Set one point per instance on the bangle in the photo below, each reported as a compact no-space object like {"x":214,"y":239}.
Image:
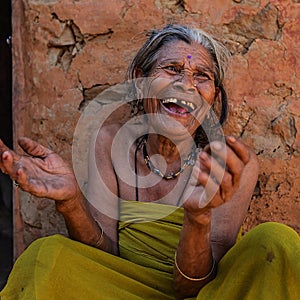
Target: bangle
{"x":190,"y":278}
{"x":100,"y":239}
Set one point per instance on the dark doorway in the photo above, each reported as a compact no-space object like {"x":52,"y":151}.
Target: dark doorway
{"x":6,"y":231}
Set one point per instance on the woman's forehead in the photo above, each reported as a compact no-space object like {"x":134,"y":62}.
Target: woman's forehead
{"x":180,"y":50}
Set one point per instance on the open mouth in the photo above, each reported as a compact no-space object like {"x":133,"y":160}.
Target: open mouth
{"x":178,"y":106}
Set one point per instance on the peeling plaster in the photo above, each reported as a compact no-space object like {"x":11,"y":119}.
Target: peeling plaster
{"x":245,"y":28}
{"x":284,"y":126}
{"x":63,"y":49}
{"x":90,"y":93}
{"x":173,"y":5}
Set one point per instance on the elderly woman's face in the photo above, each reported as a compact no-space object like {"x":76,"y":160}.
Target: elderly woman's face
{"x":181,"y":87}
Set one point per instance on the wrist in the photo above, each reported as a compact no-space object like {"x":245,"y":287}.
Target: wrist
{"x":203,"y":218}
{"x":69,"y":205}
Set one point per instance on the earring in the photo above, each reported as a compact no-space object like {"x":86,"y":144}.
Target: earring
{"x":136,"y":106}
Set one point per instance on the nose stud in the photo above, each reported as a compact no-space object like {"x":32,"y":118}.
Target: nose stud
{"x":189,"y":56}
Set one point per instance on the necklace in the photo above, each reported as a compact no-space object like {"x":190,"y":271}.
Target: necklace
{"x":190,"y":161}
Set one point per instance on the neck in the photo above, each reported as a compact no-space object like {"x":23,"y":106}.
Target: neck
{"x":158,"y":144}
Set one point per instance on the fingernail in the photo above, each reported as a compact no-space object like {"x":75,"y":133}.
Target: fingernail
{"x":217,"y":146}
{"x":4,"y":155}
{"x":231,"y":139}
{"x":203,"y":155}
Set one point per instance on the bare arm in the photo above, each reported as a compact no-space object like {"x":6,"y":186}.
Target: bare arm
{"x":43,"y":173}
{"x":102,"y":191}
{"x":228,"y":218}
{"x":205,"y":236}
{"x":82,"y":225}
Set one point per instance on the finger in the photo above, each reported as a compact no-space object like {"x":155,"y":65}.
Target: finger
{"x":213,"y":172}
{"x":33,"y":148}
{"x":235,"y":166}
{"x":204,"y":200}
{"x":239,"y":148}
{"x":227,"y":188}
{"x":193,"y":181}
{"x":2,"y":160}
{"x":29,"y":185}
{"x":212,"y":167}
{"x":3,"y":149}
{"x":218,"y":150}
{"x":219,"y":194}
{"x":21,"y":179}
{"x":211,"y":188}
{"x":227,"y":156}
{"x":8,"y":163}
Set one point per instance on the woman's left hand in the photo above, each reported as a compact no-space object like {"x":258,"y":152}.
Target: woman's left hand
{"x":216,"y":175}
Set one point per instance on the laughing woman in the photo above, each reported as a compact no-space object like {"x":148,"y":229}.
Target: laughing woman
{"x":163,"y":219}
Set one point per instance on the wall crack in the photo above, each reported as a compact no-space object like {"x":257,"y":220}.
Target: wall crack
{"x":64,"y":48}
{"x":245,"y":28}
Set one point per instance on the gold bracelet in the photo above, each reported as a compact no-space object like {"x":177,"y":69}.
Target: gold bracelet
{"x":190,"y":278}
{"x":100,"y":240}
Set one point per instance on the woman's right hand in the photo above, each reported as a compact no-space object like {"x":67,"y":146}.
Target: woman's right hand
{"x":216,"y":175}
{"x":40,"y":172}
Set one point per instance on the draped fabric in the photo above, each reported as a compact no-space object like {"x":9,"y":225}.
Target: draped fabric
{"x":264,"y":264}
{"x":149,"y":234}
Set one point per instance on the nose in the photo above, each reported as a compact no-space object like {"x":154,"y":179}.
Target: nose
{"x":185,"y":83}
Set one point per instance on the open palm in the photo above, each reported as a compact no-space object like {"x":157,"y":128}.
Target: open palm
{"x":40,"y":171}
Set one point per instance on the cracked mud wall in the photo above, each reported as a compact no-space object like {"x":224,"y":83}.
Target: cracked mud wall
{"x":66,"y":52}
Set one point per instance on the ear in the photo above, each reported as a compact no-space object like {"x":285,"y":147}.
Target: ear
{"x":216,"y":106}
{"x":217,"y":93}
{"x":138,"y":73}
{"x":220,"y":105}
{"x":217,"y":99}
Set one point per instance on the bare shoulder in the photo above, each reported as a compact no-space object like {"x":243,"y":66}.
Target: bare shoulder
{"x":107,"y":133}
{"x":104,"y":138}
{"x":113,"y":137}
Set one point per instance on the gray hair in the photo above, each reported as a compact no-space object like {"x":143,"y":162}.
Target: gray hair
{"x":146,"y":57}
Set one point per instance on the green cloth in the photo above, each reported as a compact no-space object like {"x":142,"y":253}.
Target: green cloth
{"x":147,"y":240}
{"x":264,"y":264}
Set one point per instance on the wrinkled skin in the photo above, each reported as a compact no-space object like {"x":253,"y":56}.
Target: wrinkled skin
{"x":218,"y":189}
{"x":41,"y":172}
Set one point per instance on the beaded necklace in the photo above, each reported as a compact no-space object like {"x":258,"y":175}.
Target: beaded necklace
{"x":189,"y":161}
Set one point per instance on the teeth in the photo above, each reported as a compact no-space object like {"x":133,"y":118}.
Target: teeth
{"x":190,"y":105}
{"x":169,"y":100}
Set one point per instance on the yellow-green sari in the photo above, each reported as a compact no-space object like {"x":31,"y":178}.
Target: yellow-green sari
{"x":264,"y":264}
